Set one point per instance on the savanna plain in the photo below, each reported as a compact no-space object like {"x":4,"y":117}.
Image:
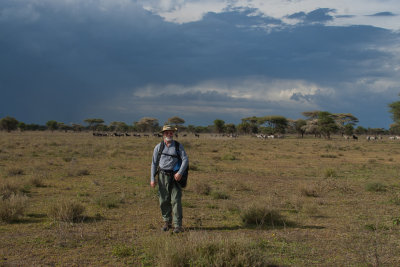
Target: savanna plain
{"x":73,"y":199}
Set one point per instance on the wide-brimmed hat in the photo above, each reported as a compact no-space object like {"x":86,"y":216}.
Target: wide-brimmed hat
{"x":168,"y":128}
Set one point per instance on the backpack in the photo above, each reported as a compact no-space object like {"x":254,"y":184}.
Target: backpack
{"x":183,"y":181}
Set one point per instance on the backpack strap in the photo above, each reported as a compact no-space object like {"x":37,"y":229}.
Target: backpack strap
{"x":177,"y":149}
{"x":160,"y":150}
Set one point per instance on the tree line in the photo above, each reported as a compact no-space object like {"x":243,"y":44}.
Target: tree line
{"x":317,"y":123}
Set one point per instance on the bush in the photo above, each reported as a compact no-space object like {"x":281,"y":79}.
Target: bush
{"x":110,"y":201}
{"x":12,"y":207}
{"x":330,"y":173}
{"x":202,"y":188}
{"x":66,"y":211}
{"x":121,"y":251}
{"x":37,"y":182}
{"x":309,"y":192}
{"x":228,"y":157}
{"x":262,"y":217}
{"x":201,"y":249}
{"x":375,"y":187}
{"x":219,"y":195}
{"x":78,"y":172}
{"x":8,"y":188}
{"x":15,"y":172}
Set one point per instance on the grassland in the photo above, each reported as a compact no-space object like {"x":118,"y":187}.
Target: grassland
{"x":81,"y":200}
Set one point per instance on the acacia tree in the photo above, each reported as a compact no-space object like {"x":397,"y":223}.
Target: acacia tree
{"x":395,"y":110}
{"x":21,"y":126}
{"x":230,"y":128}
{"x":119,"y":126}
{"x":326,"y":124}
{"x":299,"y":127}
{"x":244,"y":127}
{"x":93,"y":123}
{"x":77,"y":127}
{"x":8,"y":123}
{"x":343,"y":120}
{"x":52,"y":125}
{"x":251,"y":123}
{"x":311,"y":127}
{"x":219,"y":125}
{"x":311,"y":114}
{"x":278,"y":124}
{"x":175,"y":120}
{"x":146,"y":124}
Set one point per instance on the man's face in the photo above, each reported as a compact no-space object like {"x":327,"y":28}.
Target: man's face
{"x":168,"y":135}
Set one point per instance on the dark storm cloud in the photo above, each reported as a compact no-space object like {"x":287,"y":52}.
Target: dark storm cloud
{"x":383,"y":14}
{"x":67,"y":64}
{"x":318,"y":15}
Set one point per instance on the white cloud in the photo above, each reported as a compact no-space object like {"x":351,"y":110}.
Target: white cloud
{"x":358,"y":11}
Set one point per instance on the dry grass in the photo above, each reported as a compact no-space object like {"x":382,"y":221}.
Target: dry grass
{"x":249,"y":202}
{"x":66,"y":211}
{"x":12,"y":208}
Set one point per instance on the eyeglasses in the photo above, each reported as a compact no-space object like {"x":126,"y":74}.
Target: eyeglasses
{"x":168,"y":132}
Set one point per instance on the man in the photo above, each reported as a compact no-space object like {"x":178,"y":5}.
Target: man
{"x":170,"y":192}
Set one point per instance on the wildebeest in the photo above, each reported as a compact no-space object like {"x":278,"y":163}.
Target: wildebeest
{"x":197,"y":135}
{"x":99,"y":134}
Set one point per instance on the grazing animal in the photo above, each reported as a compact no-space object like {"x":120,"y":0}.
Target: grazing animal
{"x":100,"y":134}
{"x":355,"y":137}
{"x":197,"y":135}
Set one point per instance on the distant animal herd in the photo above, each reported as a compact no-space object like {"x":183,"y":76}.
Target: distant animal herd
{"x":259,"y":136}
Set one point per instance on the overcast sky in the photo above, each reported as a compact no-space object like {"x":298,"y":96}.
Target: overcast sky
{"x":121,"y":60}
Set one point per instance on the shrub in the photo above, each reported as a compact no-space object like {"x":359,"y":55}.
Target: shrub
{"x":330,"y":173}
{"x":15,"y":172}
{"x":78,"y":172}
{"x":228,"y":157}
{"x":261,"y":216}
{"x":330,"y":156}
{"x":66,"y":211}
{"x":110,"y":201}
{"x":375,"y":187}
{"x":219,"y":195}
{"x":37,"y":182}
{"x":309,"y":192}
{"x":193,"y":167}
{"x":201,"y":249}
{"x":239,"y":186}
{"x":202,"y":188}
{"x":12,"y":208}
{"x":121,"y":251}
{"x":8,"y":188}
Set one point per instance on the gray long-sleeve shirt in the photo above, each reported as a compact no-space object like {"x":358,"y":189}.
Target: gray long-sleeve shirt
{"x":168,"y":162}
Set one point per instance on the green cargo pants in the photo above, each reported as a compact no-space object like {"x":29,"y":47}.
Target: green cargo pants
{"x":170,"y":195}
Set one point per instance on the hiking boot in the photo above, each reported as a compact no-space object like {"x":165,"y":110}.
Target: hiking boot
{"x":178,"y":230}
{"x":166,"y":226}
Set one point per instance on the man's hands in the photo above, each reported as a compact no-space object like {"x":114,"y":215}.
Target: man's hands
{"x":177,"y":176}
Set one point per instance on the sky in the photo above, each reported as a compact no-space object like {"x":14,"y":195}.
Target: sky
{"x":201,"y":60}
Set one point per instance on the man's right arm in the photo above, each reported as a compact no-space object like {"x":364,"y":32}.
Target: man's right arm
{"x":153,"y":166}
